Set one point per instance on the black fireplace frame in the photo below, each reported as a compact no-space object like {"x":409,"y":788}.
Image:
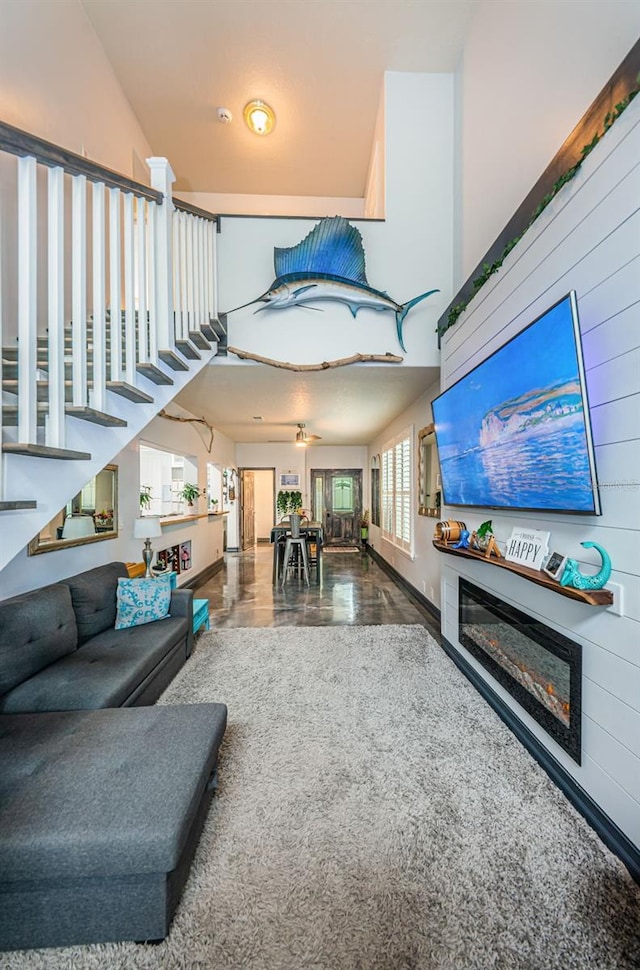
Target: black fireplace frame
{"x":569,"y":738}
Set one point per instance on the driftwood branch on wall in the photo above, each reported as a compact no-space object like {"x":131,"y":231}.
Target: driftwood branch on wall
{"x":325,"y":365}
{"x":175,"y":417}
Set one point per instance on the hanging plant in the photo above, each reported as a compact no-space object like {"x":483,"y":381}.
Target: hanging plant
{"x":288,"y":502}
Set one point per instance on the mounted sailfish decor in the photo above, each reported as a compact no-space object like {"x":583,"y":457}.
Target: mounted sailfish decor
{"x":329,"y":265}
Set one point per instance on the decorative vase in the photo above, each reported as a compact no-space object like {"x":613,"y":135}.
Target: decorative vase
{"x":295,"y":519}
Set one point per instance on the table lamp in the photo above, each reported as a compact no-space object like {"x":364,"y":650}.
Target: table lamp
{"x":147,"y":527}
{"x":78,"y":526}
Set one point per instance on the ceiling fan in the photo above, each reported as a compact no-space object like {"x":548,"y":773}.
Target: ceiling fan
{"x":303,"y":439}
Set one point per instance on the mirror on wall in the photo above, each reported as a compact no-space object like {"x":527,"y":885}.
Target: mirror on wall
{"x":429,"y":488}
{"x":90,"y":516}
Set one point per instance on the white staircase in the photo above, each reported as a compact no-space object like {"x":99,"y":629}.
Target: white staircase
{"x":80,"y":380}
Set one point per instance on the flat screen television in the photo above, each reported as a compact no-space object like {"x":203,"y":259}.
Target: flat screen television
{"x":515,"y":433}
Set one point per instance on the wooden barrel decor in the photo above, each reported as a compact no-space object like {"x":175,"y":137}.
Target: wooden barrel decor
{"x":449,"y":531}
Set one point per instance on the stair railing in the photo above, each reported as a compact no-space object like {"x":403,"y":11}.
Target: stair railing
{"x":134,"y":274}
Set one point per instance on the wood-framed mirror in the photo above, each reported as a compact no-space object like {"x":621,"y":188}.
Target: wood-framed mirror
{"x":429,"y":489}
{"x":90,"y":516}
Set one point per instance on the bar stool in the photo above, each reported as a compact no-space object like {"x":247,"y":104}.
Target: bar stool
{"x":299,"y":543}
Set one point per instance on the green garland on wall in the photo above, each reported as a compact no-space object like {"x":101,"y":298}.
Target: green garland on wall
{"x":488,"y":269}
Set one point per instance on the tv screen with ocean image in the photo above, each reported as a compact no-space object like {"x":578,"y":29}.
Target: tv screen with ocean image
{"x":515,"y":432}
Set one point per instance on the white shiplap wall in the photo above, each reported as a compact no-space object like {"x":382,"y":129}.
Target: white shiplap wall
{"x":588,"y":239}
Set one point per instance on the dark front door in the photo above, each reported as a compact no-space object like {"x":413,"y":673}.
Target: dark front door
{"x":337,"y":503}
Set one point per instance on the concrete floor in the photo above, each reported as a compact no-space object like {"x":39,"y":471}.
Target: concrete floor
{"x":353,"y":590}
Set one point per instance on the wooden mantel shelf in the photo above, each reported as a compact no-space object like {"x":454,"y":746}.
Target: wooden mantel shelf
{"x":594,"y":597}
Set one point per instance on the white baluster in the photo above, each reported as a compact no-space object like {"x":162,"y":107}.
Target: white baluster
{"x":162,"y":178}
{"x":211,"y":228}
{"x":214,"y":272}
{"x":197,"y":274}
{"x":129,"y":292}
{"x":27,"y":300}
{"x":55,"y":436}
{"x":79,"y":289}
{"x":190,"y":280}
{"x":203,"y":273}
{"x":177,"y":276}
{"x":141,"y":280}
{"x":115,"y":289}
{"x":99,"y":298}
{"x":183,"y":274}
{"x":152,"y":287}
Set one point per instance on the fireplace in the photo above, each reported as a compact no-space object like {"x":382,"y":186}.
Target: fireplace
{"x":541,"y":668}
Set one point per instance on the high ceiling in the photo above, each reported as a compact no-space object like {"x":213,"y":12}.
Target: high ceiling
{"x":320,"y":65}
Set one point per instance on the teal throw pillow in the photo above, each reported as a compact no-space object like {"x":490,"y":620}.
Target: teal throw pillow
{"x":142,"y":601}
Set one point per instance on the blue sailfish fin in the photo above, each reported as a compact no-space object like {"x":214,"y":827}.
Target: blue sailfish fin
{"x":333,"y":246}
{"x":404,"y":309}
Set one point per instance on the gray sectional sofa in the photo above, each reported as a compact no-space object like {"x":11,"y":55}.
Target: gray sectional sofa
{"x":103,"y":794}
{"x":59,"y":650}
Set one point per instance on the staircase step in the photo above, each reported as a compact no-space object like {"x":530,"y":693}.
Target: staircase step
{"x":199,"y":340}
{"x":42,"y":388}
{"x":44,"y":451}
{"x":15,"y":506}
{"x":215,"y":329}
{"x":96,"y":417}
{"x":129,"y":391}
{"x":172,"y":360}
{"x":10,"y":415}
{"x":153,"y":373}
{"x":188,"y":350}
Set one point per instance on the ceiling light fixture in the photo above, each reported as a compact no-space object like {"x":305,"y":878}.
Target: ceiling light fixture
{"x":260,"y":118}
{"x":303,"y":439}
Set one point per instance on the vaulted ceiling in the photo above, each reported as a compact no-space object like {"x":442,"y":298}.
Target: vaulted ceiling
{"x":320,"y":65}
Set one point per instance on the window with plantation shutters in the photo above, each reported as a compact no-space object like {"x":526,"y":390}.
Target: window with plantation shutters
{"x":397,"y":478}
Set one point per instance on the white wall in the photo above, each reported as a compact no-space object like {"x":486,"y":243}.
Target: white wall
{"x":274,"y":205}
{"x":30,"y":572}
{"x":56,"y":82}
{"x":423,"y":570}
{"x":288,"y":458}
{"x":408,"y":254}
{"x":588,"y":239}
{"x":529,"y":72}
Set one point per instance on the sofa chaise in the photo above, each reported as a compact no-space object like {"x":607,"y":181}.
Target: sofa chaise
{"x":103,"y":794}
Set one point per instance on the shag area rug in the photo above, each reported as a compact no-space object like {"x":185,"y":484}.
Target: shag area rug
{"x":375,"y":814}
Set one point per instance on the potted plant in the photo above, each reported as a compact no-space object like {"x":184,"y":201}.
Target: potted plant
{"x":364,"y":525}
{"x":189,"y":493}
{"x":214,"y":504}
{"x":145,"y":498}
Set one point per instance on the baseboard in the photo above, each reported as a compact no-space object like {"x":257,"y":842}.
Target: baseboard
{"x":203,"y":575}
{"x":404,"y":584}
{"x":607,"y":830}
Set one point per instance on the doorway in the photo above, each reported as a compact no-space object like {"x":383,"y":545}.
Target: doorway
{"x":257,"y":505}
{"x":336,"y":502}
